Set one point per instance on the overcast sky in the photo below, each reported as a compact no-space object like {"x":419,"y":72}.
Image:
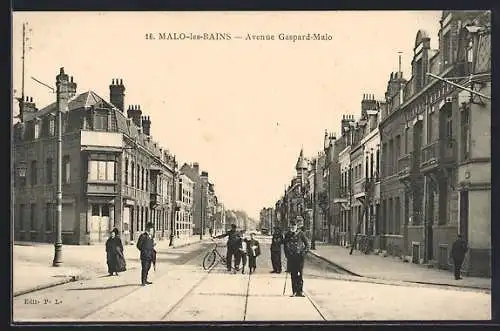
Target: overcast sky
{"x":242,"y":109}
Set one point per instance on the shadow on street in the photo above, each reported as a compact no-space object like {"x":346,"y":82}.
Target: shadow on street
{"x":102,"y":287}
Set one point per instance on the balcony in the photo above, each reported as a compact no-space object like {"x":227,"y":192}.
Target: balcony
{"x":359,"y":187}
{"x":438,"y":153}
{"x":405,"y":167}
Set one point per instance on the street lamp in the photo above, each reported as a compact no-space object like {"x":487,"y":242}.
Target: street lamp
{"x":174,"y":205}
{"x":313,"y":236}
{"x":58,"y":243}
{"x":22,"y":168}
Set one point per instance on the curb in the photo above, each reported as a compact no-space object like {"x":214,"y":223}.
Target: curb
{"x":393,"y":280}
{"x":46,"y":286}
{"x":347,"y":271}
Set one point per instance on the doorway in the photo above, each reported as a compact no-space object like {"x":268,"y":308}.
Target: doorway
{"x":99,"y":222}
{"x":464,"y":214}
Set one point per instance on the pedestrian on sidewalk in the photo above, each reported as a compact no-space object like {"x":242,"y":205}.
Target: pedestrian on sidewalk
{"x":276,"y":243}
{"x":253,"y":250}
{"x":458,"y":251}
{"x":146,"y":245}
{"x":233,"y":242}
{"x":296,"y":246}
{"x":114,"y":253}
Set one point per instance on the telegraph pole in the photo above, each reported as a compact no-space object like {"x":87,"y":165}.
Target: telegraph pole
{"x":174,"y":205}
{"x":21,"y":113}
{"x":58,"y":244}
{"x":313,"y":236}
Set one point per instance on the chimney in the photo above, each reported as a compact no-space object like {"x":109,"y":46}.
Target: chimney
{"x":117,"y":93}
{"x":134,"y":112}
{"x":29,"y":107}
{"x":196,"y":168}
{"x":146,"y":125}
{"x":65,"y":89}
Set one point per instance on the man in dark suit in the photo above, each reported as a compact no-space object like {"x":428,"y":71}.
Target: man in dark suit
{"x":233,"y":245}
{"x":458,"y":251}
{"x":296,"y":247}
{"x":276,"y":243}
{"x":146,"y":245}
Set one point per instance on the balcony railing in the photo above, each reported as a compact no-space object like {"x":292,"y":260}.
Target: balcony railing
{"x":405,"y":166}
{"x":430,"y":155}
{"x":439,"y":152}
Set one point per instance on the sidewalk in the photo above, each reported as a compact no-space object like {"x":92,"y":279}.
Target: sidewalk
{"x":393,"y":269}
{"x":33,"y":270}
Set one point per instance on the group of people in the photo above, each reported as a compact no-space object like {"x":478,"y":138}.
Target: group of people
{"x":295,"y":245}
{"x":145,"y":244}
{"x":242,"y":249}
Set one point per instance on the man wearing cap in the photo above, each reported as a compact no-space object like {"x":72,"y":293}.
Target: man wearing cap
{"x":233,"y":245}
{"x":146,"y":245}
{"x":276,"y":243}
{"x":296,"y":246}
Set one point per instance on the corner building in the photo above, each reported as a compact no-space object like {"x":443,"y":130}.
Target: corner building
{"x":113,"y":173}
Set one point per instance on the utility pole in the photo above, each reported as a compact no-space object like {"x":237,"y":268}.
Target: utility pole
{"x":201,"y":220}
{"x":21,"y":113}
{"x":58,"y":244}
{"x":174,"y":205}
{"x":313,"y":236}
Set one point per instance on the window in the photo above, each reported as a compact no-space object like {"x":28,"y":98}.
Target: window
{"x":397,"y":150}
{"x":367,"y":174}
{"x":49,"y":170}
{"x":390,"y":162}
{"x":52,"y":127}
{"x":406,"y":142}
{"x":33,"y":174}
{"x":126,"y":171}
{"x":429,"y":128}
{"x":142,"y":178}
{"x":371,"y":165}
{"x":138,"y":177}
{"x":95,"y":210}
{"x":132,"y":178}
{"x":465,"y":125}
{"x":49,"y":217}
{"x":377,"y":173}
{"x":36,"y":128}
{"x":105,"y":210}
{"x":446,"y":50}
{"x":449,"y":128}
{"x":470,"y":56}
{"x":102,"y":170}
{"x":147,"y":180}
{"x":101,"y":121}
{"x":21,"y":216}
{"x":32,"y":217}
{"x":66,"y":170}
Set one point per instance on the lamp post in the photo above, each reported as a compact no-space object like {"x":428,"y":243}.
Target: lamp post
{"x":174,"y":205}
{"x":313,"y":236}
{"x":202,"y":214}
{"x":58,"y":243}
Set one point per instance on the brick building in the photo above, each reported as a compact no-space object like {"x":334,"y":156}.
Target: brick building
{"x":113,"y":173}
{"x":420,"y":136}
{"x":185,"y":203}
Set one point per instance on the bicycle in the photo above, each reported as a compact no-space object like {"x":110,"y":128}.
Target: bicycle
{"x":213,"y":257}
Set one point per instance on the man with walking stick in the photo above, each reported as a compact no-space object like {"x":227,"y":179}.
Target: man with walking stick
{"x":296,"y":247}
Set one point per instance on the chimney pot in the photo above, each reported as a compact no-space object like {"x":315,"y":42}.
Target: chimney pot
{"x":113,"y":81}
{"x":61,"y":71}
{"x":31,"y":99}
{"x":71,"y":79}
{"x":121,"y":81}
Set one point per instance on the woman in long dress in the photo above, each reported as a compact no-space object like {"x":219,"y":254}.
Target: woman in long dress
{"x":114,"y":254}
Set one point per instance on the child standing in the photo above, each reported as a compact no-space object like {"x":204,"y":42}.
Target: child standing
{"x":253,"y":250}
{"x":243,"y":253}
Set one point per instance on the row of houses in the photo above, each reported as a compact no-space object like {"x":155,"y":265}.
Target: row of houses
{"x":412,"y":170}
{"x":114,"y":174}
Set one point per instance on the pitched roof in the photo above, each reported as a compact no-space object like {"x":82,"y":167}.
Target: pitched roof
{"x":82,"y":100}
{"x":189,"y":171}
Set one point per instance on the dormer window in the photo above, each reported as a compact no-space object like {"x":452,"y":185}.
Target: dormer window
{"x":101,"y":120}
